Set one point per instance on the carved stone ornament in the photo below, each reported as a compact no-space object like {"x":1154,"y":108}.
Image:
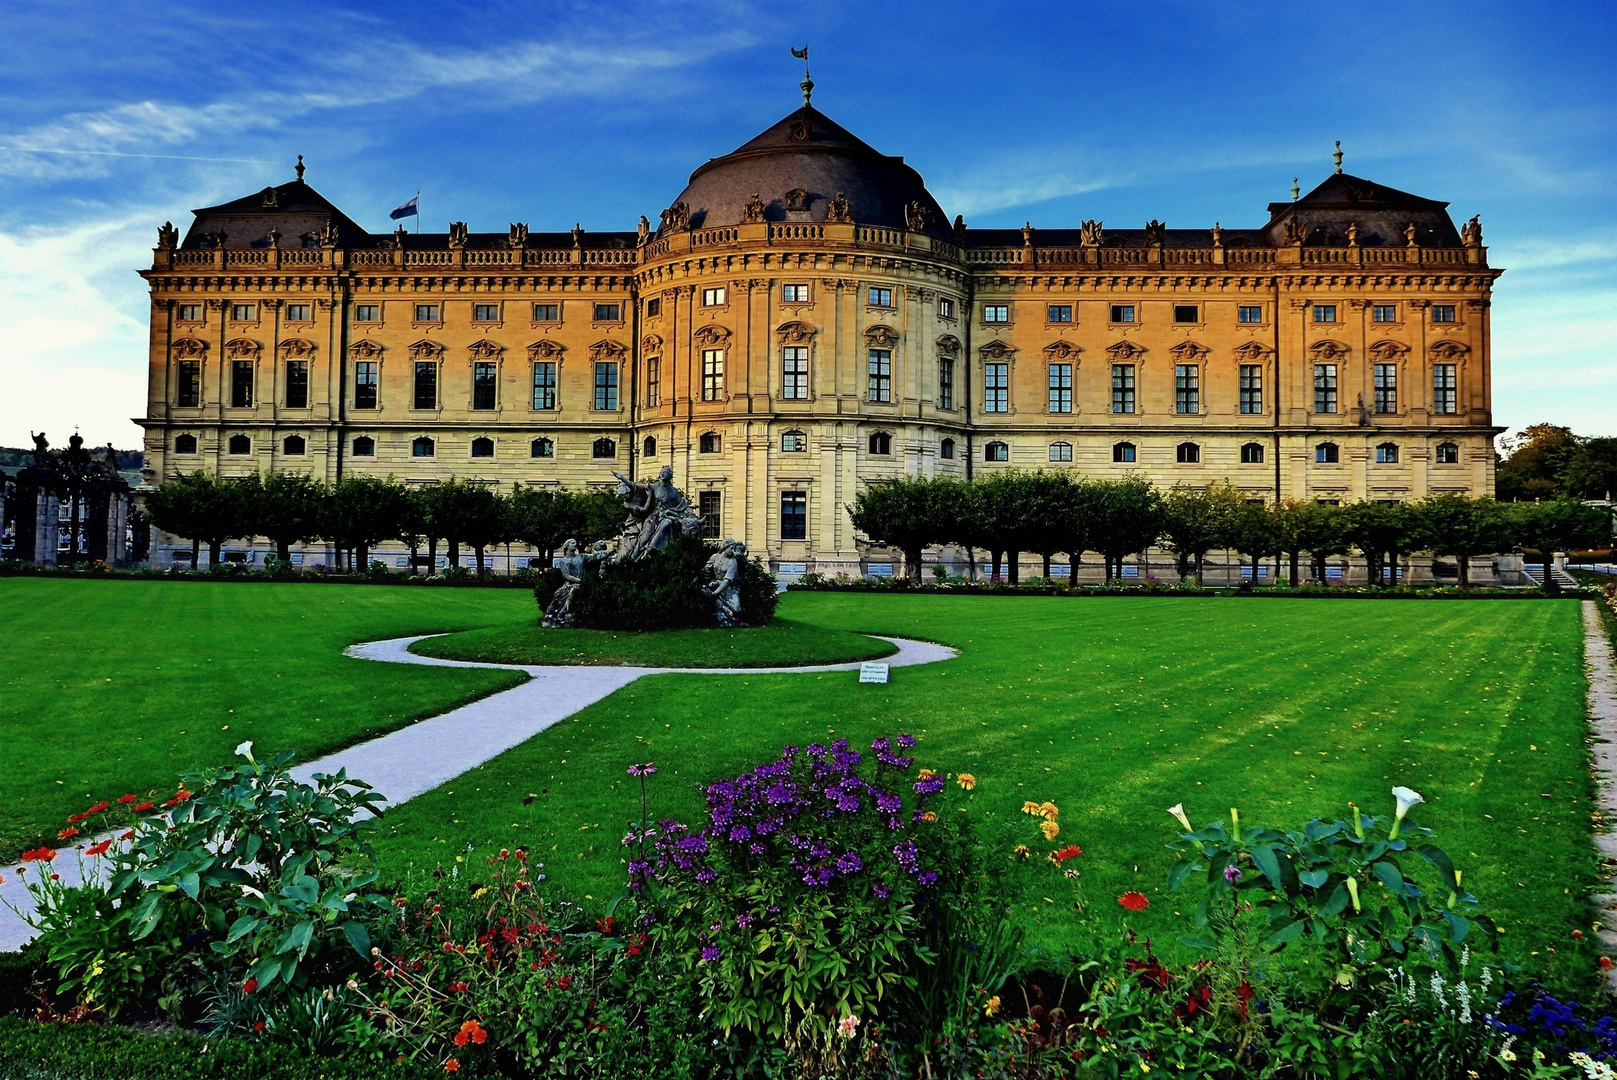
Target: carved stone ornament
{"x":797,"y":199}
{"x":168,"y":237}
{"x":607,"y":349}
{"x":271,"y":198}
{"x":916,"y":216}
{"x":1296,"y":231}
{"x":518,"y":236}
{"x":1188,"y":352}
{"x":795,"y":333}
{"x":296,"y":348}
{"x":240,"y":348}
{"x":1125,"y":350}
{"x":1251,"y":352}
{"x":1386,"y":351}
{"x":365,"y":349}
{"x":485,"y":350}
{"x":1218,"y":235}
{"x":711,"y":335}
{"x":882,"y":337}
{"x":1410,"y":233}
{"x":328,"y":235}
{"x":802,"y":130}
{"x":545,"y":349}
{"x":1061,"y":350}
{"x":1156,"y":233}
{"x":1449,"y":350}
{"x":996,"y":350}
{"x":1471,"y":232}
{"x":677,"y":217}
{"x":187,"y":348}
{"x":1092,"y":233}
{"x":1328,"y":350}
{"x":841,"y":212}
{"x":426,"y":350}
{"x":754,"y":210}
{"x":395,"y":240}
{"x":948,"y":345}
{"x":1353,"y":234}
{"x":651,"y":345}
{"x":457,"y":234}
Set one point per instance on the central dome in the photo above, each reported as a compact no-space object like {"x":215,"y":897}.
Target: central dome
{"x":796,"y":168}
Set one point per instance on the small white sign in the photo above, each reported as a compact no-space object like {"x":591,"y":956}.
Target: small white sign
{"x":874,"y":673}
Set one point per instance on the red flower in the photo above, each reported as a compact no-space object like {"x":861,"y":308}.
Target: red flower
{"x":130,"y":835}
{"x":39,"y":854}
{"x":97,"y":808}
{"x":249,"y":986}
{"x":1244,"y":993}
{"x":125,"y":800}
{"x":452,"y":1065}
{"x":1134,"y":901}
{"x":606,"y":925}
{"x":98,"y":849}
{"x":67,"y":833}
{"x":471,"y":1031}
{"x":181,"y":795}
{"x":1605,"y":961}
{"x":1576,"y":934}
{"x":145,"y":806}
{"x":1061,"y":855}
{"x":258,"y":1026}
{"x":74,"y":819}
{"x":567,"y":980}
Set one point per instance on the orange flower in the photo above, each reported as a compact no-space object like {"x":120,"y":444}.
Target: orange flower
{"x":145,"y":806}
{"x":39,"y":854}
{"x":1061,"y":855}
{"x":67,"y":833}
{"x":125,"y":800}
{"x":1049,"y":829}
{"x":1022,"y":851}
{"x":452,"y":1065}
{"x":98,"y":849}
{"x":1049,"y":811}
{"x":1031,"y":809}
{"x":926,"y":774}
{"x":471,"y":1031}
{"x":1576,"y":934}
{"x":929,"y":817}
{"x":966,"y":780}
{"x":1134,"y":901}
{"x":97,"y":808}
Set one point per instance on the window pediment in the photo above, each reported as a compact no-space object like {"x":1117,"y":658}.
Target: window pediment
{"x":996,"y":350}
{"x":949,"y":345}
{"x":711,"y":336}
{"x":1125,"y":351}
{"x":1251,"y":352}
{"x":650,"y":345}
{"x":1188,"y":352}
{"x":1061,"y":350}
{"x":189,"y":348}
{"x":607,"y":349}
{"x":1387,"y":351}
{"x":365,"y":349}
{"x":545,"y":349}
{"x":240,"y":348}
{"x":485,"y":350}
{"x":882,"y":337}
{"x":294,"y":348}
{"x":1449,"y":350}
{"x":425,"y":350}
{"x":795,"y":332}
{"x":1328,"y":350}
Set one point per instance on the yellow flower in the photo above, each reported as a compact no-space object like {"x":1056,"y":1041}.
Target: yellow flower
{"x":991,"y":1006}
{"x":1023,"y":851}
{"x":1031,"y":809}
{"x":966,"y":780}
{"x":1049,"y":811}
{"x":1049,"y":829}
{"x":929,"y":817}
{"x":926,"y":774}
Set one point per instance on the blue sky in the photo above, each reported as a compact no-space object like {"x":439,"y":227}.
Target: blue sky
{"x":117,"y":116}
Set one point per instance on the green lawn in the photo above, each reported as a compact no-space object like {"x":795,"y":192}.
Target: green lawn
{"x":781,"y":643}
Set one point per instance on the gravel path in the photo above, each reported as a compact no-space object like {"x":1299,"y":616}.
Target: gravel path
{"x":1602,"y":672}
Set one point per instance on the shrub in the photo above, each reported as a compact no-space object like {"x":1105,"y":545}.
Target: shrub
{"x":663,"y":591}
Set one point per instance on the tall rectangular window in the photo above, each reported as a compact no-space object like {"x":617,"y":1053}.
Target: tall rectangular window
{"x":996,"y":388}
{"x":794,"y":294}
{"x":297,"y":384}
{"x":945,"y":307}
{"x":1324,"y":313}
{"x":365,"y":384}
{"x":794,"y":385}
{"x":1061,"y":388}
{"x":241,"y":384}
{"x":794,"y":515}
{"x":946,"y":383}
{"x":544,"y":384}
{"x":1386,"y":388}
{"x":880,"y":382}
{"x":426,"y":385}
{"x":654,"y":307}
{"x":485,"y":383}
{"x":1384,"y":313}
{"x":1122,"y":388}
{"x":712,"y":374}
{"x":188,"y":374}
{"x":880,"y":297}
{"x":1324,"y":388}
{"x":1187,"y":392}
{"x":1249,"y":313}
{"x":1251,"y":388}
{"x":606,"y":384}
{"x":654,"y":381}
{"x":1444,"y":386}
{"x":710,"y":505}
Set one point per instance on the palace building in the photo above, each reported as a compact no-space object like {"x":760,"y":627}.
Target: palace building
{"x":805,"y":317}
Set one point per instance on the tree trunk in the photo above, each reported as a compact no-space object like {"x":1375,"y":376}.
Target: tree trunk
{"x":364,"y":551}
{"x":912,"y":564}
{"x":1182,"y":565}
{"x":1294,"y":575}
{"x":477,"y":550}
{"x":993,"y":565}
{"x":283,"y":550}
{"x":1199,"y":570}
{"x":454,"y":554}
{"x":1074,"y":558}
{"x":1046,"y":555}
{"x":432,"y":556}
{"x":971,"y":563}
{"x":1014,"y":567}
{"x":196,"y":555}
{"x":1551,"y":586}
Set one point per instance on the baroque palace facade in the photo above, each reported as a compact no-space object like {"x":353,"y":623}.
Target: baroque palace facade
{"x":804,"y":318}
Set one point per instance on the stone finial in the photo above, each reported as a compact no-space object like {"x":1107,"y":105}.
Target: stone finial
{"x":1295,"y":190}
{"x":1337,"y":157}
{"x":299,"y":169}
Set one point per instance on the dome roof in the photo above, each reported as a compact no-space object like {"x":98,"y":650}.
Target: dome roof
{"x":811,"y":156}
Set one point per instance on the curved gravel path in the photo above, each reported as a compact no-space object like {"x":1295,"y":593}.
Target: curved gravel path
{"x":415,"y":759}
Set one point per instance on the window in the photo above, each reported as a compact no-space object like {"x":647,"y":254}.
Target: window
{"x":649,"y":447}
{"x":542,"y":448}
{"x":367,"y":313}
{"x":1061,"y":388}
{"x":793,"y":442}
{"x":185,"y":444}
{"x":1384,"y":313}
{"x":945,"y":307}
{"x":1252,"y":454}
{"x":945,"y":383}
{"x":188,"y":392}
{"x":794,"y":384}
{"x":996,"y":451}
{"x":794,"y":294}
{"x":880,"y":382}
{"x":240,"y":444}
{"x":603,"y":448}
{"x":712,"y":374}
{"x":297,"y":384}
{"x":1442,"y":313}
{"x":1061,"y":451}
{"x":364,"y":446}
{"x":710,"y":506}
{"x":880,"y":297}
{"x":1122,"y":388}
{"x":294,"y":446}
{"x":193,"y":312}
{"x":654,"y":381}
{"x":1251,"y":389}
{"x":1443,"y":387}
{"x":996,"y":313}
{"x":1324,"y":388}
{"x":946,"y":450}
{"x":423,"y":447}
{"x":1188,"y":453}
{"x":654,"y":307}
{"x":708,"y":443}
{"x":1058,"y":313}
{"x":241,"y":383}
{"x":249,"y":312}
{"x":881,"y":443}
{"x":996,"y":388}
{"x":482,"y":447}
{"x":365,"y":384}
{"x":1186,"y":313}
{"x":1386,"y":388}
{"x":298,"y":313}
{"x":1249,"y":313}
{"x":1324,"y":313}
{"x":426,"y":313}
{"x":1387,"y":454}
{"x":607,"y":313}
{"x":1122,"y":313}
{"x":544,"y":384}
{"x":1123,"y":452}
{"x":547,"y":313}
{"x":606,"y":384}
{"x":485,"y":313}
{"x":710,"y":297}
{"x":485,"y":382}
{"x":793,"y":515}
{"x":1448,"y":453}
{"x":426,"y":384}
{"x":1186,"y":388}
{"x":1327,"y":453}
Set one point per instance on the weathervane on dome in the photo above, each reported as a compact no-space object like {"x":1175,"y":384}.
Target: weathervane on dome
{"x":807,"y":85}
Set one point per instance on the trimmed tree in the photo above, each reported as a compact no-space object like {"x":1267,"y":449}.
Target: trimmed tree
{"x":1454,"y":524}
{"x":203,"y":509}
{"x":286,"y":509}
{"x":1559,"y":525}
{"x":902,"y":512}
{"x":361,"y":512}
{"x":1197,"y":520}
{"x":1126,"y":517}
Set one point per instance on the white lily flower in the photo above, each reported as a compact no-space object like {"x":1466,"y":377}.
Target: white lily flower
{"x":1178,"y":811}
{"x":1406,"y":797}
{"x":245,"y":750}
{"x":250,"y":891}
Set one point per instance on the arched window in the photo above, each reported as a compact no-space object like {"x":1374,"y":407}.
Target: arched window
{"x":604,"y":448}
{"x":649,"y":447}
{"x":946,"y":449}
{"x":483,"y":447}
{"x":1189,"y":453}
{"x":1387,"y":454}
{"x":423,"y":447}
{"x":240,"y":444}
{"x":996,"y":451}
{"x":708,"y":443}
{"x":364,"y":446}
{"x":1252,"y":454}
{"x":185,"y":444}
{"x":1123,"y":452}
{"x":1326,"y":453}
{"x":881,"y":443}
{"x":294,"y":446}
{"x":793,"y":442}
{"x":542,"y":448}
{"x":1448,"y":453}
{"x":1061,"y":451}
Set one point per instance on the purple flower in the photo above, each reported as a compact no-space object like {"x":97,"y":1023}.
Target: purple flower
{"x":642,"y":770}
{"x":882,"y":892}
{"x":706,"y":874}
{"x":849,"y":863}
{"x":744,"y":920}
{"x":710,"y":954}
{"x":906,"y":741}
{"x":930,"y":786}
{"x":1232,"y":874}
{"x":887,"y":802}
{"x":883,"y":743}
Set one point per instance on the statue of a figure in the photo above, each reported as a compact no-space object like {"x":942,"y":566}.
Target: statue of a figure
{"x":42,"y":448}
{"x":658,"y":512}
{"x":574,"y":566}
{"x":723,"y":570}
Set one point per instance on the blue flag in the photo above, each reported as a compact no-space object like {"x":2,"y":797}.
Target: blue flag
{"x":407,"y":210}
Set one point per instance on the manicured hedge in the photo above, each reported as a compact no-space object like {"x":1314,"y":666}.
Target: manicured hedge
{"x":1334,"y":592}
